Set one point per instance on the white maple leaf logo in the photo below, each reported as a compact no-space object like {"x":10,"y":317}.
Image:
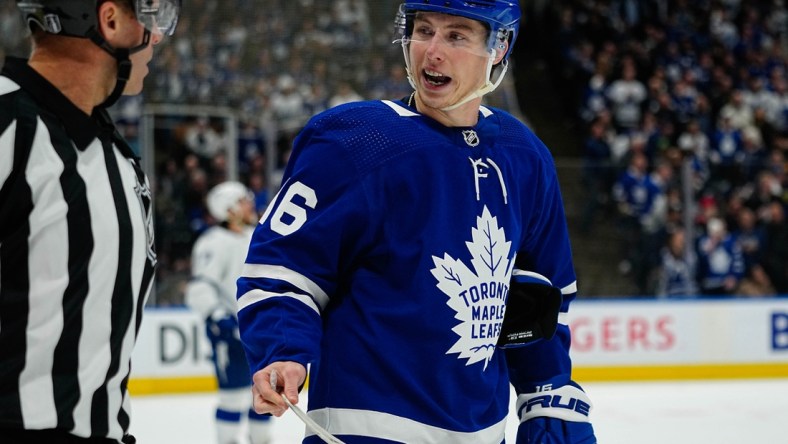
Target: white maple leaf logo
{"x":479,"y":295}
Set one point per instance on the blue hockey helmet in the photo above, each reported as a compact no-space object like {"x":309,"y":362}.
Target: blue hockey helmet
{"x":502,"y":17}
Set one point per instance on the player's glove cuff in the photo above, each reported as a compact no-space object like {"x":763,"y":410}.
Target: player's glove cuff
{"x":218,"y":314}
{"x":531,"y":310}
{"x":567,"y":403}
{"x":221,"y":325}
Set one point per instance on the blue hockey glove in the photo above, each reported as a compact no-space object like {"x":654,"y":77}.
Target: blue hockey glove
{"x":544,"y":430}
{"x":221,"y":327}
{"x":531,"y":310}
{"x":558,"y":416}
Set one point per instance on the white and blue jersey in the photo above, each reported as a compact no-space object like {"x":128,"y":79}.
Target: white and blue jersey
{"x":217,"y":261}
{"x":384,"y":262}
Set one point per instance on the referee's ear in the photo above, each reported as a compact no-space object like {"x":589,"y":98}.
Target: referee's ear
{"x":117,"y":24}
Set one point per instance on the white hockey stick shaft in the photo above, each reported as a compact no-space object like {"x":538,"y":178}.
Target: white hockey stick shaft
{"x":319,"y":431}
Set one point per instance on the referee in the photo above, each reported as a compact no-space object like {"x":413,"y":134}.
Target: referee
{"x":76,"y":242}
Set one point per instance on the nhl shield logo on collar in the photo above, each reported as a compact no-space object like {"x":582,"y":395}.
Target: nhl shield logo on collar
{"x":471,"y":138}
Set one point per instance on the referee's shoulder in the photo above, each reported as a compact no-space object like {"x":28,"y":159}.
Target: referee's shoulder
{"x":15,"y":104}
{"x":8,"y":86}
{"x":9,"y":93}
{"x":20,"y":117}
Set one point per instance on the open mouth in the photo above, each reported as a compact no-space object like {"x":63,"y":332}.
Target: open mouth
{"x":435,"y":78}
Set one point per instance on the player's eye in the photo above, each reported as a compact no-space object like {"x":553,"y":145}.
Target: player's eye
{"x":456,"y":37}
{"x":423,"y":31}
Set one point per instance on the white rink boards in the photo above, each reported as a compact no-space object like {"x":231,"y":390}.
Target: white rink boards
{"x":612,"y":340}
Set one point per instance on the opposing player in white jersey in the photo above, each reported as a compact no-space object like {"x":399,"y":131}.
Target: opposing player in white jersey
{"x":416,"y":257}
{"x":217,"y":260}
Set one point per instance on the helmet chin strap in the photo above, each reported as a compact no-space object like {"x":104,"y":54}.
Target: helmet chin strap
{"x":124,"y":73}
{"x":124,"y":63}
{"x":405,"y":42}
{"x":486,"y":89}
{"x":488,"y":85}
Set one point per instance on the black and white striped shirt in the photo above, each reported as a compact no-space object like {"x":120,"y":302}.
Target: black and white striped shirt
{"x":76,"y":261}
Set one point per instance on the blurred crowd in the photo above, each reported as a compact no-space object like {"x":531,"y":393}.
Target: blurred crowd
{"x":281,"y":63}
{"x":683,"y":106}
{"x":274,"y":64}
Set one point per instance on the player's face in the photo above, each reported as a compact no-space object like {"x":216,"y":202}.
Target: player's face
{"x":448,"y":57}
{"x":248,"y":214}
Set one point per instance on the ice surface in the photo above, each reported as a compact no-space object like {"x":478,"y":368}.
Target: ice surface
{"x":718,"y":412}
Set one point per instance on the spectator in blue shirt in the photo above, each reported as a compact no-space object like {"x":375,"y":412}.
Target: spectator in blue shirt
{"x":676,"y":273}
{"x":720,"y":260}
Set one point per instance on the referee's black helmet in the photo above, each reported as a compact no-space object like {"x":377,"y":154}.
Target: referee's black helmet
{"x":78,"y":18}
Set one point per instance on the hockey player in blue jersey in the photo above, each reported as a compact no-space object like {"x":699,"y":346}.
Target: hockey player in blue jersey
{"x":416,"y":258}
{"x":217,"y":259}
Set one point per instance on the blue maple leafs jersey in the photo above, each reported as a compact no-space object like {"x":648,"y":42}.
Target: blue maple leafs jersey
{"x":384,"y":263}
